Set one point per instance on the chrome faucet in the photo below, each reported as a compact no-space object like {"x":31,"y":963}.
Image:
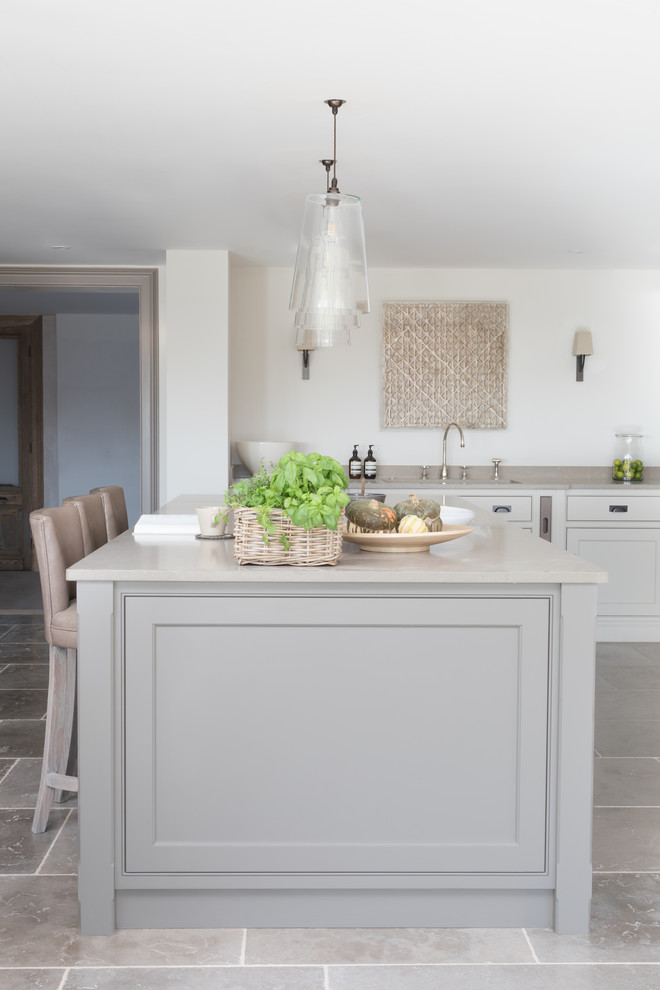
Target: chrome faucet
{"x":443,"y":472}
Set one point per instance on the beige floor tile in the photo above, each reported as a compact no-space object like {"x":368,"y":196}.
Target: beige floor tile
{"x":627,"y":737}
{"x":625,"y":925}
{"x":623,"y":655}
{"x":22,"y":737}
{"x":231,"y":978}
{"x":626,"y":839}
{"x":19,"y":788}
{"x":644,"y":675}
{"x":625,"y":898}
{"x":537,"y":977}
{"x":621,"y":943}
{"x":25,"y":703}
{"x":634,"y":781}
{"x":31,"y":979}
{"x":63,"y":855}
{"x":24,"y":653}
{"x":39,"y":928}
{"x":650,"y":650}
{"x":386,"y":945}
{"x":24,"y":675}
{"x":634,"y":705}
{"x":21,"y":851}
{"x":29,"y":631}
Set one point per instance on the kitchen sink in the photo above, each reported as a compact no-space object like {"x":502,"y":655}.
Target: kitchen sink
{"x":435,"y":483}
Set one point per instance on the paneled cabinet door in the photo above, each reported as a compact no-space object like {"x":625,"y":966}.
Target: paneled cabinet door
{"x":312,"y":735}
{"x":632,"y":559}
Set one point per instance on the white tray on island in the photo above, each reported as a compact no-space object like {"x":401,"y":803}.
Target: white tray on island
{"x":406,"y":542}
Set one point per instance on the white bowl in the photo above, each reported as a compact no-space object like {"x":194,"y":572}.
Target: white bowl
{"x":253,"y":452}
{"x":454,"y":515}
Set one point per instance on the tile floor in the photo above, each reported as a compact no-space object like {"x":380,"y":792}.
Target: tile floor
{"x":40,"y":946}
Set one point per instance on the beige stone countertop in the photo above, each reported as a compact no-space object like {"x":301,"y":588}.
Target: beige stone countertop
{"x":494,"y":553}
{"x":401,"y":477}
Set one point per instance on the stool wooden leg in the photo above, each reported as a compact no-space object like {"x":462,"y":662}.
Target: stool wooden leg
{"x":72,"y":762}
{"x":59,"y":725}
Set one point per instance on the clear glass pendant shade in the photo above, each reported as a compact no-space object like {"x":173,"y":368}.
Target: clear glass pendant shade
{"x":330,"y":289}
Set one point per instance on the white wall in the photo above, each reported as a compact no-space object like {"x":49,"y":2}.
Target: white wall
{"x":98,"y":405}
{"x":552,"y":419}
{"x":193,"y":320}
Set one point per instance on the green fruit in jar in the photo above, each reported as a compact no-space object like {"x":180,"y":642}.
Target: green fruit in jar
{"x":627,"y":470}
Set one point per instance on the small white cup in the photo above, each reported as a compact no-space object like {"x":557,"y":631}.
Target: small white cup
{"x":206,"y":516}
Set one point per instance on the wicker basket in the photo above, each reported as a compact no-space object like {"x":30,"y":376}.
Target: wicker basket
{"x":308,"y":547}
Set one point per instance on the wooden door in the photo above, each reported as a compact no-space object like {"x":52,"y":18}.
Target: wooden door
{"x":21,"y":437}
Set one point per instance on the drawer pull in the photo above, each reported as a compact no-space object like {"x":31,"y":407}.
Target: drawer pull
{"x":618,"y":508}
{"x":501,"y":508}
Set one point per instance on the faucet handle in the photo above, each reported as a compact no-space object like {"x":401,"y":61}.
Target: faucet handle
{"x":425,"y":469}
{"x":496,"y":468}
{"x":464,"y":471}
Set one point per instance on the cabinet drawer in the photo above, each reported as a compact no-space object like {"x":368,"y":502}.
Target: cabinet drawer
{"x":515,"y":507}
{"x":618,"y":508}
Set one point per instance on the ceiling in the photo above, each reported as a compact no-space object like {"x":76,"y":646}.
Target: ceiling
{"x":479,"y":133}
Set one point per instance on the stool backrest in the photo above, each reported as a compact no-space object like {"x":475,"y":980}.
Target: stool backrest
{"x":58,"y":542}
{"x":114,"y":503}
{"x":92,"y":518}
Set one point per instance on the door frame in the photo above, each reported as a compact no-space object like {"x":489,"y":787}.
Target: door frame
{"x":28,"y":495}
{"x":145,"y":280}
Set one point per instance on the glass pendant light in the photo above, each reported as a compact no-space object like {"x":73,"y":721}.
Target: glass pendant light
{"x":330,"y":288}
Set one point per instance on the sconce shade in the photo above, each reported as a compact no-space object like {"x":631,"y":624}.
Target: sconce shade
{"x":582,"y":343}
{"x":330,"y":289}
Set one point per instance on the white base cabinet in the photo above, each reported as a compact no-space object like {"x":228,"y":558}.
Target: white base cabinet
{"x":621,"y":533}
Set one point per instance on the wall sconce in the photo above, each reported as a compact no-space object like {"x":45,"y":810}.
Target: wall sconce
{"x":582,"y":345}
{"x":330,"y":290}
{"x":305,"y":350}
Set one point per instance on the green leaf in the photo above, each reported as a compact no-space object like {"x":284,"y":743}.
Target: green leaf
{"x":309,"y":488}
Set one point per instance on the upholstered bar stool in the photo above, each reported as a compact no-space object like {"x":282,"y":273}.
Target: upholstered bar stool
{"x":58,"y":542}
{"x":114,"y":503}
{"x":92,"y":519}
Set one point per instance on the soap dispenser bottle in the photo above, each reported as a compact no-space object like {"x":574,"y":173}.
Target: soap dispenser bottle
{"x":370,"y":464}
{"x":355,"y":465}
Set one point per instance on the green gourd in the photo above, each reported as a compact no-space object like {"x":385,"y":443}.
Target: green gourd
{"x":366,"y":515}
{"x":426,"y":508}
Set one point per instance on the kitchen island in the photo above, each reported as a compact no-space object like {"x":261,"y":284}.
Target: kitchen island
{"x":400,"y":740}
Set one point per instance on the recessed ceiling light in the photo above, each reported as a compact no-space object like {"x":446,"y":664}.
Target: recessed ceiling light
{"x":60,"y":247}
{"x":576,"y":250}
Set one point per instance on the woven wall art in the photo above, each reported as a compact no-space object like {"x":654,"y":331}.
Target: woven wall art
{"x":444,"y":362}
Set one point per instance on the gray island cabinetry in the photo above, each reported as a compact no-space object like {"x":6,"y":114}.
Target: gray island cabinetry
{"x":399,"y":740}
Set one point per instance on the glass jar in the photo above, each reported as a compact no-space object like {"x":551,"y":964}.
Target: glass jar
{"x":628,"y":465}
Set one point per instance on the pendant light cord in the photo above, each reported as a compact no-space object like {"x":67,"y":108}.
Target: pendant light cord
{"x":335,"y":111}
{"x":334,"y":106}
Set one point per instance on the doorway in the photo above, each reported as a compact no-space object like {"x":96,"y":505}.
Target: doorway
{"x":120,"y":280}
